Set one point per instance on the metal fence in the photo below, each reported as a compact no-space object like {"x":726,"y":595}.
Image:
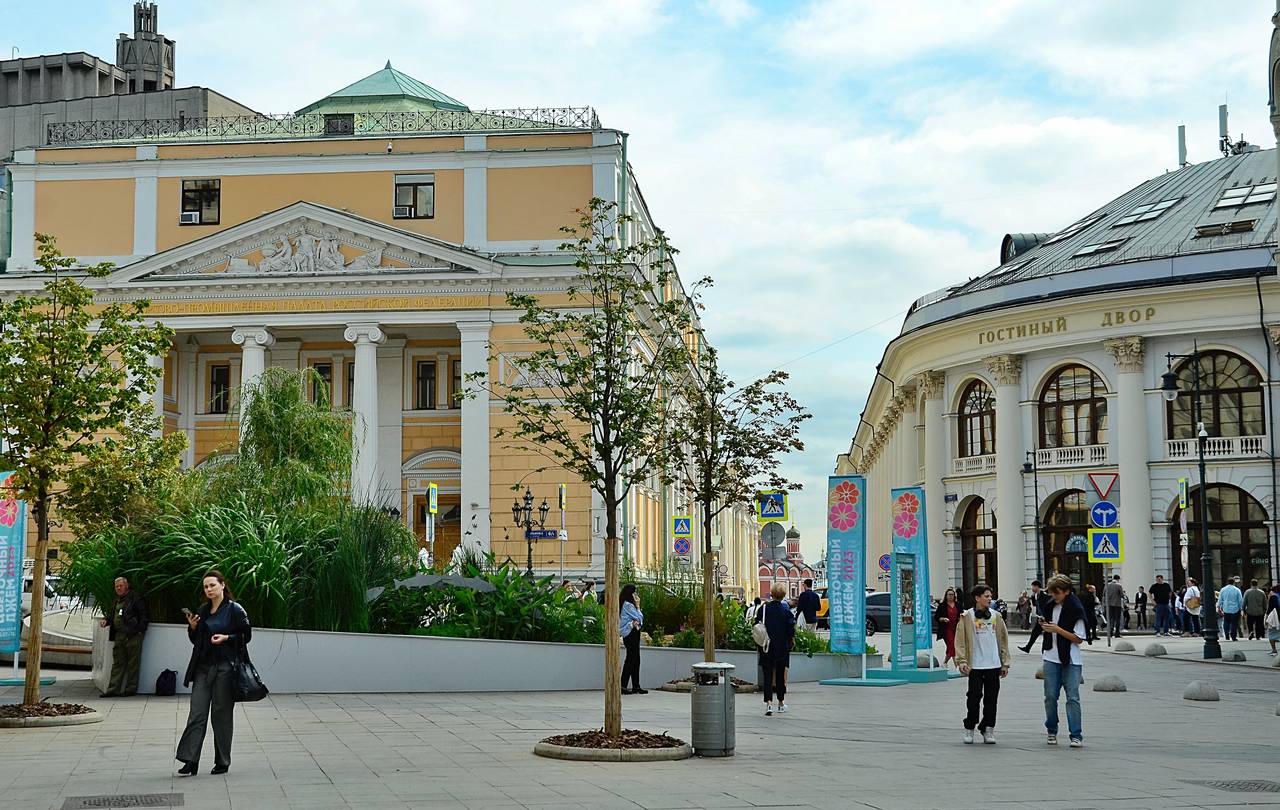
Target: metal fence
{"x":320,"y":125}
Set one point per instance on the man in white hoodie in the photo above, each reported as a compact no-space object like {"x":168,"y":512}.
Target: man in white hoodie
{"x":982,"y":653}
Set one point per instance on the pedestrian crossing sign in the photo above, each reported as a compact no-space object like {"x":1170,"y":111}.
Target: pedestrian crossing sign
{"x":681,"y":526}
{"x":1106,"y":545}
{"x":771,"y":506}
{"x":433,"y":498}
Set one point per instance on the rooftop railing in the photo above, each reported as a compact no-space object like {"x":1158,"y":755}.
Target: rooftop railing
{"x":320,"y":125}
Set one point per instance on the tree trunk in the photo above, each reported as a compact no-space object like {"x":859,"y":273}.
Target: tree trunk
{"x":31,"y":690}
{"x":612,"y":642}
{"x":708,"y":593}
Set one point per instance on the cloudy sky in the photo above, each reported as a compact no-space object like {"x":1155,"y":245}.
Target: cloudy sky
{"x":826,"y":162}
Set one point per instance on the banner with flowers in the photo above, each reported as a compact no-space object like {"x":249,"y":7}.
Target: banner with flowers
{"x":911,"y":536}
{"x":847,"y":562}
{"x":13,"y":544}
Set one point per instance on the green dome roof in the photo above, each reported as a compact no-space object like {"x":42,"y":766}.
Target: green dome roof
{"x":386,"y":90}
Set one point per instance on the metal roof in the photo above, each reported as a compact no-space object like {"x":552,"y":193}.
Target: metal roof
{"x":1120,"y":233}
{"x":386,"y":90}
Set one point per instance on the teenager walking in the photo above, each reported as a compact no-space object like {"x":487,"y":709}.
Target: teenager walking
{"x":1064,"y":629}
{"x":982,"y":653}
{"x":219,"y":631}
{"x":1040,"y":603}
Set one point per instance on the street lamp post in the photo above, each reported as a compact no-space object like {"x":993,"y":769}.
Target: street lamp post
{"x":1031,"y":466}
{"x":522,"y":516}
{"x":1208,"y":604}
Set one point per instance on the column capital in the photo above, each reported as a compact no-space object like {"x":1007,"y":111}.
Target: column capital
{"x":930,"y":384}
{"x":1129,"y":353}
{"x":363,"y":333}
{"x":255,"y":335}
{"x":1273,"y":329}
{"x":475,"y":330}
{"x":1006,"y":368}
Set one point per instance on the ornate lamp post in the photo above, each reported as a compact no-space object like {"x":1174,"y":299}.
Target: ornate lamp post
{"x":522,"y":517}
{"x":1030,"y":466}
{"x":1208,"y":604}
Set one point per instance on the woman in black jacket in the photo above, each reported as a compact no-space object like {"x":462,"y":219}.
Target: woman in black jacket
{"x":218,"y":633}
{"x":780,"y":624}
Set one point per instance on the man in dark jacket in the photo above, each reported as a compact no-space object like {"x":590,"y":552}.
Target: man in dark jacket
{"x":128,"y":623}
{"x":808,"y":603}
{"x":1113,"y":597}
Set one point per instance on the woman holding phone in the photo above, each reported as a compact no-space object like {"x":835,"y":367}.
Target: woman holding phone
{"x":218,"y":631}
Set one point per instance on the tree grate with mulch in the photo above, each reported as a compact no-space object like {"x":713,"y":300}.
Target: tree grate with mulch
{"x":737,"y":683}
{"x":629,"y":738}
{"x":42,"y":710}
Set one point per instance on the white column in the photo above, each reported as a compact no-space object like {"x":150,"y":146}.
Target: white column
{"x":22,"y":207}
{"x":187,"y":388}
{"x":1011,"y":550}
{"x":253,"y":342}
{"x":930,"y":384}
{"x":444,"y":377}
{"x":157,"y":393}
{"x":475,"y":436}
{"x":144,"y":211}
{"x":364,"y":407}
{"x":1135,"y":479}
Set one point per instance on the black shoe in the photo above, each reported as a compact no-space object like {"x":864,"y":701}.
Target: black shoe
{"x":626,"y":691}
{"x":188,"y":769}
{"x":1026,"y":649}
{"x":639,"y":691}
{"x":220,"y":769}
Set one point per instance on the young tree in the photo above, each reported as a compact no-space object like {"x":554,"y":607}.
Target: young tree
{"x":731,"y":440}
{"x":591,"y":396}
{"x":71,"y":370}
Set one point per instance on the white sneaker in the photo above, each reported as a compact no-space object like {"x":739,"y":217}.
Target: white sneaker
{"x":989,"y":736}
{"x":782,"y":708}
{"x":968,"y":736}
{"x":1052,"y":739}
{"x":1076,"y":742}
{"x":768,"y":710}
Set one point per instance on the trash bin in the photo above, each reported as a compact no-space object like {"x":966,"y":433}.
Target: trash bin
{"x":712,"y":704}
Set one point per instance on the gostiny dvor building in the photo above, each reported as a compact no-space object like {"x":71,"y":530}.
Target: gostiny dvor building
{"x":373,"y":237}
{"x":1002,"y":394}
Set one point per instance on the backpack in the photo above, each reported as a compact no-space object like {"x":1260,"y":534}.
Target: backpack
{"x":167,"y":683}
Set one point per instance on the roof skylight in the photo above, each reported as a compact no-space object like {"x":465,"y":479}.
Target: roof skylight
{"x":1099,"y":247}
{"x":1146,"y":211}
{"x":1247,"y":195}
{"x":1225,"y":228}
{"x":1072,"y":229}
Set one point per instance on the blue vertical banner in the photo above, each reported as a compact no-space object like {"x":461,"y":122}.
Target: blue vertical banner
{"x":847,"y":562}
{"x":911,"y":536}
{"x":13,"y":544}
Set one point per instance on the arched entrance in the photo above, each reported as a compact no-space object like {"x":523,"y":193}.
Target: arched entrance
{"x":1238,"y":537}
{"x":1066,"y":536}
{"x":978,"y":546}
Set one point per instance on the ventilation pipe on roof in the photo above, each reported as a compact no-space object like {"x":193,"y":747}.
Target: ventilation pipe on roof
{"x":1182,"y":146}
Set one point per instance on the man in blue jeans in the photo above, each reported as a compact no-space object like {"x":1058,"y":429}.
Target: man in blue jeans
{"x":1064,"y":630}
{"x":1162,"y":593}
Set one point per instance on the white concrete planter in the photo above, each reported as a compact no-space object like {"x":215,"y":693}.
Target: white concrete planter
{"x":293,"y":661}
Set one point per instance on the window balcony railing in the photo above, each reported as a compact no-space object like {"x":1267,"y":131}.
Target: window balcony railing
{"x":1086,"y":455}
{"x":1217,"y":447}
{"x":974,"y":465}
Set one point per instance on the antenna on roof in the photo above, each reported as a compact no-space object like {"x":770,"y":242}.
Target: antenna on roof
{"x":1224,"y":139}
{"x":1182,"y":146}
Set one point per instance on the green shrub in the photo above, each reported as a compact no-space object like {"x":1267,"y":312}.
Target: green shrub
{"x":809,"y":642}
{"x":687,"y":638}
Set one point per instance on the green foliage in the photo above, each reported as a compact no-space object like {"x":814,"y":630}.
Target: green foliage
{"x":273,"y":516}
{"x":737,"y":628}
{"x":518,"y":609}
{"x":809,"y":642}
{"x":687,"y":638}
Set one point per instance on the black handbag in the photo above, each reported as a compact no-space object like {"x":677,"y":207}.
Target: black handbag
{"x":247,"y":686}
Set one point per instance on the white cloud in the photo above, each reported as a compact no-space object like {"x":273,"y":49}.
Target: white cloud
{"x":730,"y":12}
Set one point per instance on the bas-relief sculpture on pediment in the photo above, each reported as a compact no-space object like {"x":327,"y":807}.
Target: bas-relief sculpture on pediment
{"x":305,"y":248}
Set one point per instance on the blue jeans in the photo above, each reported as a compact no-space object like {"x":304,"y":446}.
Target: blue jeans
{"x":1163,"y":621}
{"x":1065,"y":677}
{"x":1231,"y":626}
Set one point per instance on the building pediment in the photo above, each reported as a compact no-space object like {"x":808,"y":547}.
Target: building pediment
{"x":305,"y":241}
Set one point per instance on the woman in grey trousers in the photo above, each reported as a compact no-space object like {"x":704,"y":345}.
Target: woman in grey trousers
{"x":218,"y":632}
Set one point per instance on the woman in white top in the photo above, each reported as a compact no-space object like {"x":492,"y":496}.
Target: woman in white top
{"x":1191,"y":606}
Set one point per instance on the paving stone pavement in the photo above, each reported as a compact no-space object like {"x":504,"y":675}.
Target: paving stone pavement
{"x":839,"y":747}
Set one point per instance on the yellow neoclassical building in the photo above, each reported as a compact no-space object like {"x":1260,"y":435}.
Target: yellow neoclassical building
{"x":373,"y":236}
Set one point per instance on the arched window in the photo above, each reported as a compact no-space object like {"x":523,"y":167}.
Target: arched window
{"x":977,"y":420}
{"x":1066,"y":538}
{"x":978,"y":546}
{"x":1230,"y":398}
{"x":1073,"y":409}
{"x":1238,"y":537}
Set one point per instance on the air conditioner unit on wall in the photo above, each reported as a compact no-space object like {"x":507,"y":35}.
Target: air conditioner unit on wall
{"x":189,"y":218}
{"x":401,"y":211}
